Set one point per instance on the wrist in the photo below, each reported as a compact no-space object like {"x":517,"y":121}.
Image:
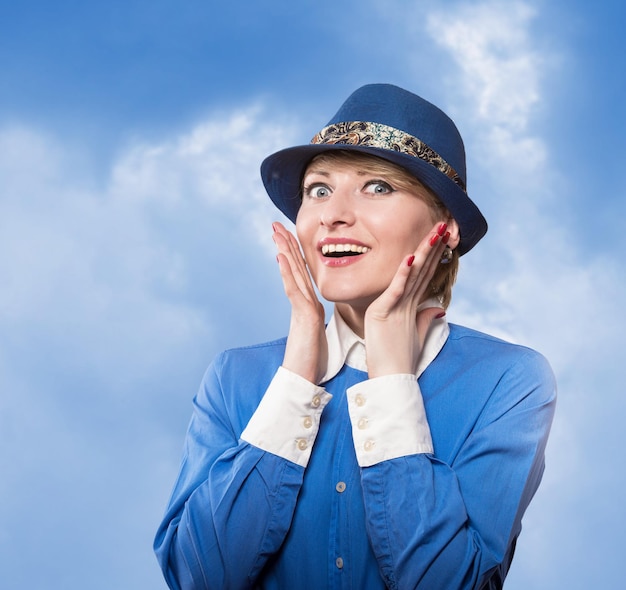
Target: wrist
{"x":383,"y":358}
{"x":386,"y":369}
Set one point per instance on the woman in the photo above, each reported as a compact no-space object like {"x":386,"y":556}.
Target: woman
{"x":388,"y":449}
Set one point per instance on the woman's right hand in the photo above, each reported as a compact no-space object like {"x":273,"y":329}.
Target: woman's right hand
{"x":307,"y":348}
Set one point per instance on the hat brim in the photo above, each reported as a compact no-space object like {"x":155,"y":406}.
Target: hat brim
{"x":282,"y":174}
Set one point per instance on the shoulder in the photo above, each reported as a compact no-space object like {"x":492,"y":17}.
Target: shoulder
{"x":493,"y":358}
{"x":480,"y":344}
{"x":252,"y":352}
{"x":236,"y":380}
{"x":461,"y":333}
{"x":249,"y":362}
{"x":494,"y":378}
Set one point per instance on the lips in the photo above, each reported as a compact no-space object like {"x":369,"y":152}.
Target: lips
{"x":337,"y":250}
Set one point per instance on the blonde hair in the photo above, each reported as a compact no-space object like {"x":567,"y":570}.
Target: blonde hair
{"x":445,"y":274}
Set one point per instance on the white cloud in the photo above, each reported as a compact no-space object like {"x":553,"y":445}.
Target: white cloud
{"x":115,"y":295}
{"x":103,"y":258}
{"x":529,"y":280}
{"x":499,"y":67}
{"x":215,"y":165}
{"x":216,"y":161}
{"x":540,"y":280}
{"x":82,"y":265}
{"x":114,"y":298}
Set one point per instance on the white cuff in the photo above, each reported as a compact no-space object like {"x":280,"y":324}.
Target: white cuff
{"x":287,"y":420}
{"x":388,"y":419}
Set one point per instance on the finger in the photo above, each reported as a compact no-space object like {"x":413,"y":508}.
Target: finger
{"x":426,"y":259}
{"x":293,"y":261}
{"x":412,"y":278}
{"x":291,"y":286}
{"x":298,"y":257}
{"x":414,"y":272}
{"x":295,"y":265}
{"x":395,"y":293}
{"x":302,"y":300}
{"x":291,"y":247}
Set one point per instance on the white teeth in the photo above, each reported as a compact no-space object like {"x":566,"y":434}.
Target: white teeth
{"x":331,"y":248}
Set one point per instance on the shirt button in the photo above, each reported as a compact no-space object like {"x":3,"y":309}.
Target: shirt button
{"x":316,"y":401}
{"x":307,"y":422}
{"x":359,"y":400}
{"x":369,"y":445}
{"x":362,"y":424}
{"x":341,"y":487}
{"x":339,"y":562}
{"x":302,"y":444}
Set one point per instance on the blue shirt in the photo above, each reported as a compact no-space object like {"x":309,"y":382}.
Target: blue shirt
{"x":242,"y":517}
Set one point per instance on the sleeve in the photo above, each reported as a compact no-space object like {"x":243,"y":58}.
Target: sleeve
{"x":233,"y":502}
{"x":287,"y":420}
{"x":435,"y":526}
{"x":388,"y":419}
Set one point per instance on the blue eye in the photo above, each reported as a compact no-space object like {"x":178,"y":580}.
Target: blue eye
{"x":317,"y":191}
{"x":378,"y":187}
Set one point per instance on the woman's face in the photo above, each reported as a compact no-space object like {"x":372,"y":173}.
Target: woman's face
{"x":355,"y":227}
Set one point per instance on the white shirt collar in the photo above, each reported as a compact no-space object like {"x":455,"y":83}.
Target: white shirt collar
{"x":346,"y":348}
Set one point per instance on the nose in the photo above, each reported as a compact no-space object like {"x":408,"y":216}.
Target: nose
{"x":338,"y":210}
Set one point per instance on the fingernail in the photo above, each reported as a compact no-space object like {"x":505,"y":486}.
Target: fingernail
{"x":442,"y":229}
{"x":409,"y":262}
{"x":274,"y":226}
{"x":440,"y":315}
{"x":434,"y":239}
{"x":446,"y":237}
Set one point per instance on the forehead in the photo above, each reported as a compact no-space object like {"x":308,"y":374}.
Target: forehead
{"x":328,"y":168}
{"x":362,"y":164}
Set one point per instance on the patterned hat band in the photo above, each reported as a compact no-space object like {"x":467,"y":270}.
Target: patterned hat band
{"x":377,"y":135}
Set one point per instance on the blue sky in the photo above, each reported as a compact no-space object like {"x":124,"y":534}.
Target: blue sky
{"x":135,"y":240}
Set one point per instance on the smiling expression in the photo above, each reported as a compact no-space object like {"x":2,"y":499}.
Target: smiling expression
{"x":356,"y":224}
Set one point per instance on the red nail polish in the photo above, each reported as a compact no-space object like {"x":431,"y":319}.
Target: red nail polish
{"x":409,"y":262}
{"x":442,"y":229}
{"x":274,"y":226}
{"x":446,"y":237}
{"x":440,"y":315}
{"x":434,"y":239}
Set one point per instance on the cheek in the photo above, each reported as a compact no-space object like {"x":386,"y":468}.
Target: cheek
{"x":418,"y":227}
{"x":404,"y":237}
{"x":406,"y":225}
{"x":303,"y":221}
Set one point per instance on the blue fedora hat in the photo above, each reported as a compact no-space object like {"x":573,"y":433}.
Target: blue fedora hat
{"x":398,"y":126}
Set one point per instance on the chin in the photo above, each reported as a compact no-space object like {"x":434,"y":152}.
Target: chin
{"x":348,"y":297}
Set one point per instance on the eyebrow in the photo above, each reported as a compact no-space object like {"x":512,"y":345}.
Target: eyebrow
{"x":323,"y":172}
{"x":317,"y":171}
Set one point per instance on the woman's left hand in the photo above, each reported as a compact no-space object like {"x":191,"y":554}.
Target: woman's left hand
{"x":394,"y":331}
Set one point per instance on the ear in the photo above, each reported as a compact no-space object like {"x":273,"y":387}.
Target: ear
{"x":455,"y":234}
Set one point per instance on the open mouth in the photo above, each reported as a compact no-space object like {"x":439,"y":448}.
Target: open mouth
{"x":339,"y":250}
